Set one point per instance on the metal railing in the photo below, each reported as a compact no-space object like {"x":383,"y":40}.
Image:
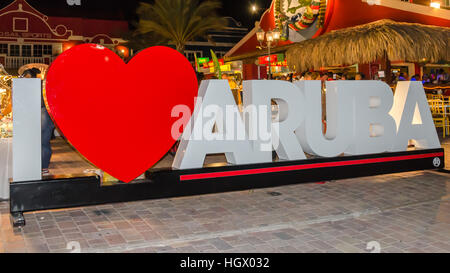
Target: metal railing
{"x":17,"y":62}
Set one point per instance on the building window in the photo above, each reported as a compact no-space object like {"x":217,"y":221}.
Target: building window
{"x":48,"y":50}
{"x":190,"y":55}
{"x":37,"y":50}
{"x":14,"y":50}
{"x":20,"y":24}
{"x":4,"y":49}
{"x":26,"y":50}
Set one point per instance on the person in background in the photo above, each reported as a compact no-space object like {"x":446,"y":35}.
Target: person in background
{"x":290,"y":77}
{"x":359,"y":77}
{"x":394,"y":78}
{"x":442,"y":76}
{"x":330,"y":76}
{"x":415,"y":78}
{"x":446,"y":78}
{"x":433,"y":79}
{"x":47,"y":125}
{"x":425,"y":79}
{"x":402,"y":77}
{"x":308,"y":76}
{"x":344,"y":77}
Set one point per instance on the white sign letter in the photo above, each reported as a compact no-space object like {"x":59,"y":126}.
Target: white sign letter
{"x":290,"y":101}
{"x":375,"y":129}
{"x":413,"y":117}
{"x":339,"y":119}
{"x":207,"y":131}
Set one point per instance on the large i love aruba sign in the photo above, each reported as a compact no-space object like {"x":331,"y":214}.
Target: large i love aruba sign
{"x":125,"y":117}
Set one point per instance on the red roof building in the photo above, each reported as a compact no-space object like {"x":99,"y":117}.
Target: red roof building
{"x":28,"y":36}
{"x":342,"y":14}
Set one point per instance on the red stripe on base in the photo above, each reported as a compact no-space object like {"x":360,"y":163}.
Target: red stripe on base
{"x":199,"y":176}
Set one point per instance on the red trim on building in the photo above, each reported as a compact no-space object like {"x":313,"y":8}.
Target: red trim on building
{"x":351,"y":13}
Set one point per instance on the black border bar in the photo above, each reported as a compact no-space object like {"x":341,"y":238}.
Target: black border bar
{"x":69,"y":192}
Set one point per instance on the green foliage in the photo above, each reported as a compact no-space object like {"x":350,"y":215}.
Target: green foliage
{"x":138,"y":41}
{"x":216,"y":65}
{"x":176,"y":22}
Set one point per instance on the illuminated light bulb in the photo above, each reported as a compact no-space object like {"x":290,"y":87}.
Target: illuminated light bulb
{"x":436,"y":5}
{"x":260,"y":35}
{"x":269,"y":36}
{"x":373,"y":2}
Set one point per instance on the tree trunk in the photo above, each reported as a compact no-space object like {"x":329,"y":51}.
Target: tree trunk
{"x":387,"y":68}
{"x":180,"y":48}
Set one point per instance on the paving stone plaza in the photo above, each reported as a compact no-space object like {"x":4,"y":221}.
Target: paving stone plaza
{"x":405,"y":212}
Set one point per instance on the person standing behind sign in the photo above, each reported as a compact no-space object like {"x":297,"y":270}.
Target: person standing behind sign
{"x":47,"y":125}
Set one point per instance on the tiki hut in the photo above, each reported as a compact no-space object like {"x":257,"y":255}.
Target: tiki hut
{"x":381,"y":40}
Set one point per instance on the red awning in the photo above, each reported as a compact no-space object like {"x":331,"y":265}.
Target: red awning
{"x":348,"y":13}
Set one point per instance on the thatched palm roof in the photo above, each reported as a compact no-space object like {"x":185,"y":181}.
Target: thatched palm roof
{"x":369,"y":42}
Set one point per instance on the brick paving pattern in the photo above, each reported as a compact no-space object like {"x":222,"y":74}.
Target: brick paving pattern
{"x":406,"y":212}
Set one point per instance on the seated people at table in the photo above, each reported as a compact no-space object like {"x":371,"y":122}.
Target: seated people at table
{"x":425,"y":79}
{"x":442,"y":76}
{"x":47,"y":125}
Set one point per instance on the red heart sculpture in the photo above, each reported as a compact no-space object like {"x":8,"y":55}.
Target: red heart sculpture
{"x":118,"y":115}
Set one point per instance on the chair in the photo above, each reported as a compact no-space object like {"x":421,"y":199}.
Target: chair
{"x":437,"y":97}
{"x":430,"y":103}
{"x":439,"y":116}
{"x":446,"y":99}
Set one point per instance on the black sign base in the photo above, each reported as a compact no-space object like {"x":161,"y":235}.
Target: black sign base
{"x":64,"y":192}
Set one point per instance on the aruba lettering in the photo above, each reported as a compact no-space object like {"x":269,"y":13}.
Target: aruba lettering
{"x":363,"y":117}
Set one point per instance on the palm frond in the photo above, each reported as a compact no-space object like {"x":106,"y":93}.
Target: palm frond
{"x":179,"y":21}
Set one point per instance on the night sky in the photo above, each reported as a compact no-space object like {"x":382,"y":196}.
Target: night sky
{"x":125,"y":9}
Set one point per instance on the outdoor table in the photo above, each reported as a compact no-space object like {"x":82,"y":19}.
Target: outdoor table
{"x":446,"y":111}
{"x":5,"y":166}
{"x":446,"y":107}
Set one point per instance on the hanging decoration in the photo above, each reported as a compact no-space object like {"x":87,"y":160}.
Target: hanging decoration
{"x":322,"y":12}
{"x":296,"y":14}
